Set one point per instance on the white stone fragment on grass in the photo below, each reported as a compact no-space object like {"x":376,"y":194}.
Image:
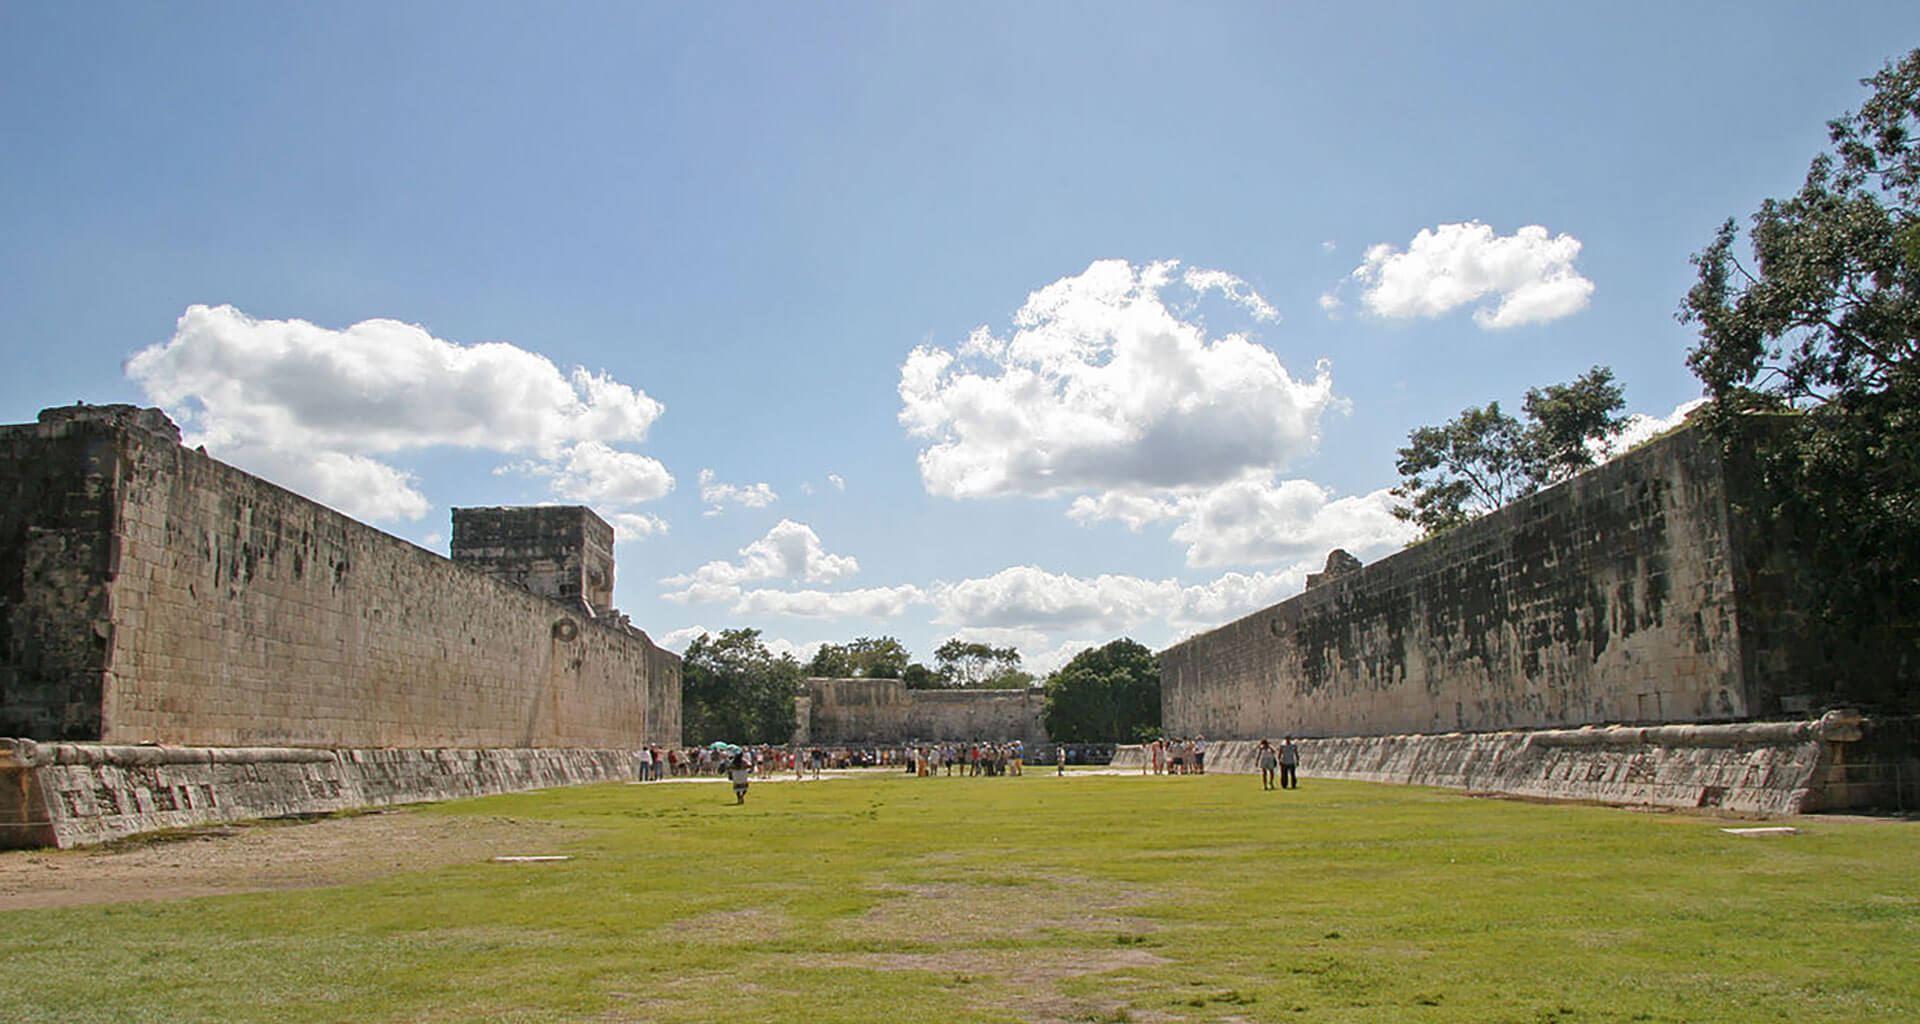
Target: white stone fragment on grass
{"x":1767,"y":830}
{"x":531,"y":859}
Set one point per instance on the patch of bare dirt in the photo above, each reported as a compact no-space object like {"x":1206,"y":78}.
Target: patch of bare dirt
{"x":725,"y":927}
{"x":963,"y":912}
{"x":1024,"y":982}
{"x":260,"y":856}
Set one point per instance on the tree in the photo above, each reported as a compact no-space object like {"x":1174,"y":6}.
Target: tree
{"x":1484,"y":458}
{"x":1830,"y":311}
{"x":920,"y":677}
{"x":733,"y":688}
{"x":1822,"y":323}
{"x":980,"y":666}
{"x":1108,"y":694}
{"x":867,"y":657}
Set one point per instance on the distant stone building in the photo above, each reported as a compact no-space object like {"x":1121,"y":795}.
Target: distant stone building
{"x":884,"y":712}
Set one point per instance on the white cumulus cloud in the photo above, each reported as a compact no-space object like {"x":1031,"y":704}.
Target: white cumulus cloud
{"x":1256,"y":520}
{"x":719,"y":495}
{"x":1033,"y":599}
{"x":1643,"y":427}
{"x":633,"y":526}
{"x":361,"y":486}
{"x":1529,"y":273}
{"x":1235,"y":290}
{"x":789,"y":550}
{"x":596,"y":473}
{"x":871,"y":602}
{"x":1101,"y":386}
{"x":273,"y":394}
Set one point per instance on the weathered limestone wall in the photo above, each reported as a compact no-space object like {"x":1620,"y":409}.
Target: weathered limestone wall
{"x":1613,"y":597}
{"x":859,"y":712}
{"x":57,"y":514}
{"x":1759,"y":768}
{"x":70,"y":794}
{"x":213,"y":608}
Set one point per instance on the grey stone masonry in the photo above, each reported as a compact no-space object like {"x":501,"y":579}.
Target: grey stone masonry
{"x":885,"y":712}
{"x":73,"y":794}
{"x":1632,"y":593}
{"x":151,"y":594}
{"x":1767,"y":768}
{"x":562,"y":552}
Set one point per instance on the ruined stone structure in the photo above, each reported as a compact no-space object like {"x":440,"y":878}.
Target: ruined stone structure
{"x":1634,"y":594}
{"x":884,"y":712}
{"x":1766,"y":768}
{"x":152,"y":595}
{"x":561,"y":552}
{"x":1627,"y":594}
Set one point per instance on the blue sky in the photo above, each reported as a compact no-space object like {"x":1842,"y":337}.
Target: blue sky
{"x":1039,"y":324}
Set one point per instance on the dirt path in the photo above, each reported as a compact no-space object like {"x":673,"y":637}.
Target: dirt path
{"x":263,"y":855}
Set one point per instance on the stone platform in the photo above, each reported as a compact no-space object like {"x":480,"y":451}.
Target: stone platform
{"x":73,"y":794}
{"x":1764,"y":768}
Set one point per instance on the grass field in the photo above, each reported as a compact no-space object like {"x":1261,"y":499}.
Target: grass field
{"x":1089,"y":898}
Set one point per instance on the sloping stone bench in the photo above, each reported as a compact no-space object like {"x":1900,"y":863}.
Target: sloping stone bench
{"x":1753,"y":768}
{"x":73,"y":794}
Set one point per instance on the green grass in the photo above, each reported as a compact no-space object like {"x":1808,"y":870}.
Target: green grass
{"x":1090,"y":898}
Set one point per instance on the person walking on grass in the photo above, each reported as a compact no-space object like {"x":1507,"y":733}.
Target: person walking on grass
{"x":1289,"y":763}
{"x":741,"y":774}
{"x":1269,"y":760}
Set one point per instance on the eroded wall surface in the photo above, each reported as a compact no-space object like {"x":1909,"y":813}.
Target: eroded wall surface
{"x":1609,"y":598}
{"x":1744,"y":768}
{"x":70,"y":794}
{"x":884,"y":712}
{"x":57,"y":508}
{"x":221,"y":610}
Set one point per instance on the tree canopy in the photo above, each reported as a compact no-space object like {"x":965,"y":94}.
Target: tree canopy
{"x":1484,"y":458}
{"x":867,"y":657}
{"x":733,"y":688}
{"x":1822,"y":320}
{"x":958,"y":663}
{"x":972,"y":664}
{"x":1108,"y":694}
{"x":1828,"y":311}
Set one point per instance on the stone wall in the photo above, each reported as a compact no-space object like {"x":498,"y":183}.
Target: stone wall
{"x":150,"y":594}
{"x":861,"y":712}
{"x":71,"y":794}
{"x":1622,"y":595}
{"x":1766,"y":768}
{"x":561,"y":552}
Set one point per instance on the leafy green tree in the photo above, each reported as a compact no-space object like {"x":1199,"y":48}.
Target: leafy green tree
{"x":1829,"y":311}
{"x":867,"y":657}
{"x":733,"y":688}
{"x":980,"y":666}
{"x":1484,"y":458}
{"x":1107,"y":694}
{"x":1822,"y":322}
{"x":920,"y":677}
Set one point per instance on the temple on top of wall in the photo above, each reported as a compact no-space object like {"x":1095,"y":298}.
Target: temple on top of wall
{"x":150,"y":594}
{"x":1633,"y":593}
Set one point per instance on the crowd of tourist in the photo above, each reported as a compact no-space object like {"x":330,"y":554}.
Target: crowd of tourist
{"x":966,"y":759}
{"x":1164,"y":756}
{"x":1175,"y":756}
